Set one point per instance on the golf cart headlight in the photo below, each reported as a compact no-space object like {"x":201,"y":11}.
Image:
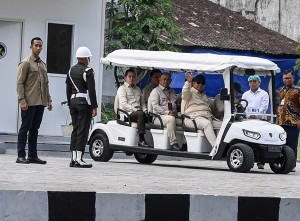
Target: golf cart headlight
{"x":282,"y":136}
{"x":251,"y":134}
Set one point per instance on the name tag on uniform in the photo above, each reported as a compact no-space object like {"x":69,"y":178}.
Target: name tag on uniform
{"x":252,"y":110}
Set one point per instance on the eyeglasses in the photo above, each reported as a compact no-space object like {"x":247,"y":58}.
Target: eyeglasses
{"x":201,"y":82}
{"x":254,"y":81}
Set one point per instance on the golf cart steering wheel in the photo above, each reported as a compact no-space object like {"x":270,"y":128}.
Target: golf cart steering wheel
{"x":239,"y":108}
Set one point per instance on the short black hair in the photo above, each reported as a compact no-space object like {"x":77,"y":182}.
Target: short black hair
{"x":287,"y":72}
{"x":129,"y":70}
{"x":35,"y":38}
{"x":154,"y":71}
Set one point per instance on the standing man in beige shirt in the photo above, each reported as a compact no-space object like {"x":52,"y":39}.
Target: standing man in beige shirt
{"x":163,"y":100}
{"x":197,"y":106}
{"x":131,"y":101}
{"x":33,"y":95}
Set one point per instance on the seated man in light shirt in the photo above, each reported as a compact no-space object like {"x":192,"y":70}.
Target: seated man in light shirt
{"x":197,"y":106}
{"x":258,"y":102}
{"x":131,"y":100}
{"x":258,"y":99}
{"x":154,"y":82}
{"x":163,"y":100}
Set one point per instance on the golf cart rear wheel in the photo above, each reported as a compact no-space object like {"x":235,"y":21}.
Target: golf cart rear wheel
{"x":240,"y":158}
{"x":145,"y":158}
{"x":285,"y":163}
{"x":99,"y":147}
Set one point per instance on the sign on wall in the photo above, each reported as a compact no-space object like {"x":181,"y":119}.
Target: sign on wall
{"x":3,"y":50}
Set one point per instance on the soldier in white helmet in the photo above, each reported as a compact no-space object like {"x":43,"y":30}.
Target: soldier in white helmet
{"x":82,"y":101}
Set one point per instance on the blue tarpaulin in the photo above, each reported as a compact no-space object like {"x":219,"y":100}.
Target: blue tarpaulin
{"x":215,"y":82}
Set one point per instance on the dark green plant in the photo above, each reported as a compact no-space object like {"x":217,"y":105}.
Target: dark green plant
{"x":141,"y":24}
{"x":107,"y":113}
{"x":297,"y":67}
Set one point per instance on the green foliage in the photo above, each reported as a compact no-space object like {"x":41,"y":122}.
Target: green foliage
{"x":107,"y":113}
{"x":139,"y":24}
{"x":297,"y":67}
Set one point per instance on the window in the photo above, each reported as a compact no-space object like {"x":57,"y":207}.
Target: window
{"x":59,"y":48}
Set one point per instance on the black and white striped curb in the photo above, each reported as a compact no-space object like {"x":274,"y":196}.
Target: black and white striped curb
{"x":91,"y":206}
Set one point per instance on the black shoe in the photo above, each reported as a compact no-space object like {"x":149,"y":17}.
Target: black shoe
{"x":184,"y":147}
{"x":36,"y":160}
{"x":260,"y":166}
{"x":175,"y":147}
{"x":72,"y":163}
{"x":128,"y":153}
{"x":143,"y":144}
{"x":22,"y":160}
{"x":82,"y":164}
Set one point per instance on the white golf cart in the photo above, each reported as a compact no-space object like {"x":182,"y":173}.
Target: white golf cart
{"x":240,"y":140}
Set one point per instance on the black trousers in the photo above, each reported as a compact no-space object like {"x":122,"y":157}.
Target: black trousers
{"x":31,"y":121}
{"x":140,"y":118}
{"x":81,"y":115}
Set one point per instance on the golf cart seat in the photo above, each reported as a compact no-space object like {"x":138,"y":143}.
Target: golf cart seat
{"x":195,"y":138}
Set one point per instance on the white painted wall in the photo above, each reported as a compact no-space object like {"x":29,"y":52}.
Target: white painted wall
{"x":88,"y":19}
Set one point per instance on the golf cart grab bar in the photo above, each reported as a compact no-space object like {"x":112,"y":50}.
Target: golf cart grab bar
{"x":151,"y":117}
{"x":189,"y":129}
{"x":126,"y":118}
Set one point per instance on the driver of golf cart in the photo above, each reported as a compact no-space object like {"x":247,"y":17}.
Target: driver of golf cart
{"x":131,"y":100}
{"x":258,"y":99}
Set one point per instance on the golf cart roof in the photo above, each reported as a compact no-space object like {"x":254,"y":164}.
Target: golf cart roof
{"x":178,"y":61}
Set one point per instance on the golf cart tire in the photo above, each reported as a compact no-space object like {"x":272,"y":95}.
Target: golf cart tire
{"x":286,"y":161}
{"x":99,"y":147}
{"x":145,"y":158}
{"x":240,"y":158}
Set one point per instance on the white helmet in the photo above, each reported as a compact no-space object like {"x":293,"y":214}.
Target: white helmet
{"x":83,"y":52}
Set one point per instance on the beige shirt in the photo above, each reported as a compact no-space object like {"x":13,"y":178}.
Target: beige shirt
{"x":196,"y":104}
{"x":160,"y":97}
{"x":32,"y":82}
{"x":130,"y":98}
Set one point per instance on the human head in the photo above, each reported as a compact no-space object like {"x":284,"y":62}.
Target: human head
{"x":165,"y":79}
{"x":154,"y":76}
{"x":199,"y":83}
{"x":237,"y":88}
{"x":254,"y":82}
{"x":288,"y":78}
{"x":130,"y":76}
{"x":83,"y":55}
{"x":36,"y":46}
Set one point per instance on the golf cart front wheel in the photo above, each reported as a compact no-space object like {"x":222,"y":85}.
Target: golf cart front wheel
{"x":99,"y":147}
{"x":285,"y":163}
{"x":240,"y":158}
{"x":145,"y":158}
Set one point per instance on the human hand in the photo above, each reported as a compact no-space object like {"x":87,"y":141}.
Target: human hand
{"x":94,"y":112}
{"x":171,"y":114}
{"x":252,"y":117}
{"x":24,"y":106}
{"x":49,"y":106}
{"x":189,"y":77}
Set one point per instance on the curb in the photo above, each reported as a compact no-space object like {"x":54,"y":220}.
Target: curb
{"x":53,"y":206}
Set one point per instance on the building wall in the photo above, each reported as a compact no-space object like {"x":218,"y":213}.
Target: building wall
{"x":278,"y":15}
{"x":88,"y":31}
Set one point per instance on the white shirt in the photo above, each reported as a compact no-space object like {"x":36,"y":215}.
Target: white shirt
{"x":258,"y":102}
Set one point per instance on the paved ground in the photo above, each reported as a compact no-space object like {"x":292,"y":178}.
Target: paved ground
{"x":128,"y":176}
{"x":124,"y":175}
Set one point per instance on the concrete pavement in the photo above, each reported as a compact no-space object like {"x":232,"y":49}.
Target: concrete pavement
{"x":169,"y":189}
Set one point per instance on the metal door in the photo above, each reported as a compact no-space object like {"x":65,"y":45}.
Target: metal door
{"x":10,"y":53}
